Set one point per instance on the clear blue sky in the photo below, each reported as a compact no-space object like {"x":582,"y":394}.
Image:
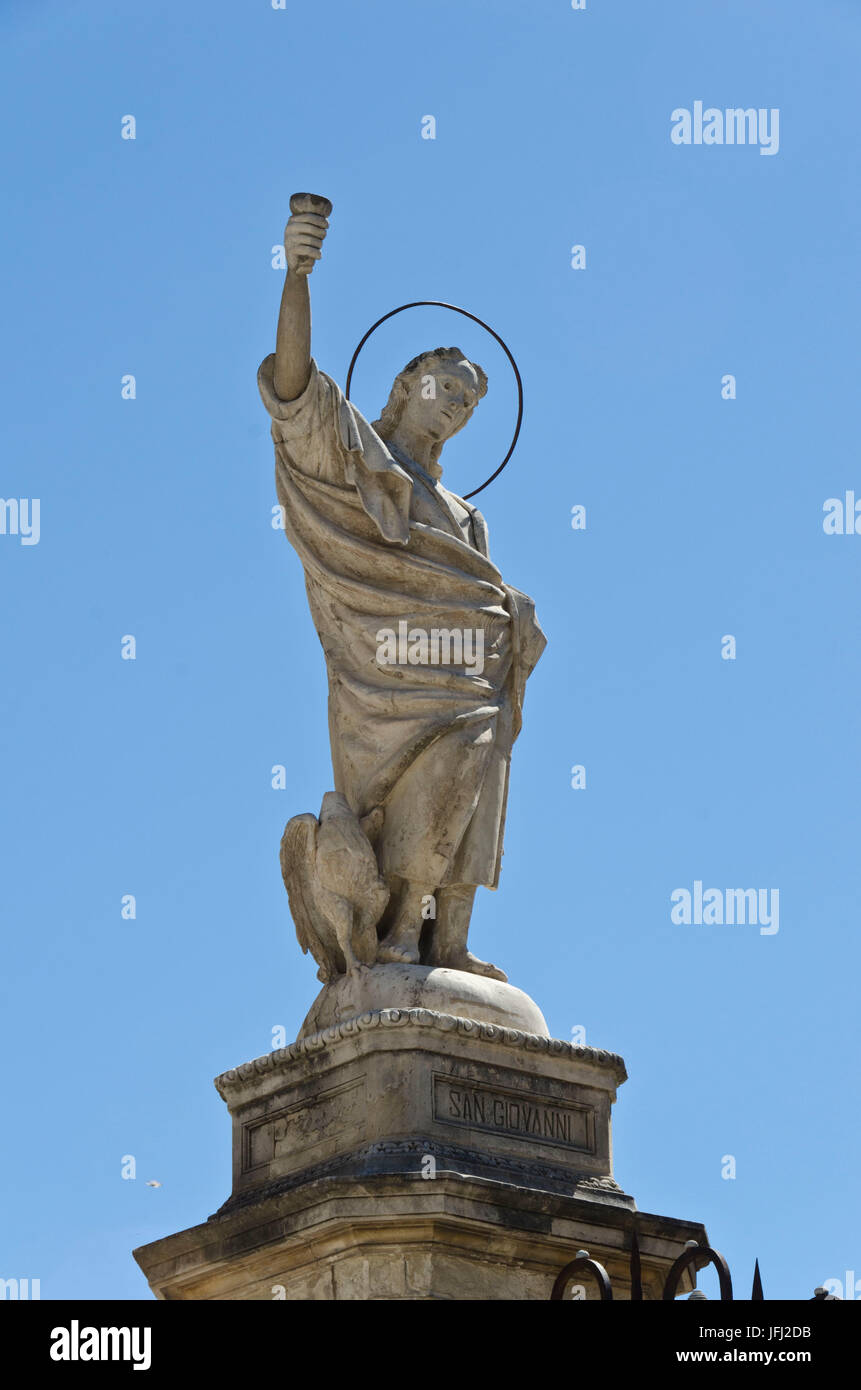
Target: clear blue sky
{"x":704,"y":518}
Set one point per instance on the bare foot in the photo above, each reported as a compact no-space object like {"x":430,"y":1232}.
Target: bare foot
{"x":465,"y":960}
{"x":390,"y":953}
{"x":400,"y":945}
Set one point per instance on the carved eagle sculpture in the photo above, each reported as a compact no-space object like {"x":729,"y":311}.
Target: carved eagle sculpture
{"x":336,"y":894}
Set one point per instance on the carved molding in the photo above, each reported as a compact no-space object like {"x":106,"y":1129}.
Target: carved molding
{"x":230,"y":1082}
{"x":363,"y":1163}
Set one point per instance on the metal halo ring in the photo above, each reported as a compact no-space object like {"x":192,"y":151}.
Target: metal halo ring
{"x":440,"y":304}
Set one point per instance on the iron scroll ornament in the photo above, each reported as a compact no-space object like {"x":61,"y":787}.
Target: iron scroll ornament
{"x":440,"y":304}
{"x":583,"y":1264}
{"x":689,"y":1255}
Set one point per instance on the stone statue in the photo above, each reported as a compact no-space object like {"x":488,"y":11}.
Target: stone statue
{"x":427,"y":650}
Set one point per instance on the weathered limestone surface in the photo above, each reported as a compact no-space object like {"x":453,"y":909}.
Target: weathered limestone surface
{"x":423,"y":987}
{"x":405,"y":1238}
{"x":428,"y":649}
{"x":425,"y":1137}
{"x":377,"y":1093}
{"x":411,"y":1154}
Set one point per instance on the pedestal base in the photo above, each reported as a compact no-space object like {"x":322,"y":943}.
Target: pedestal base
{"x":449,"y":1237}
{"x":412,"y":1154}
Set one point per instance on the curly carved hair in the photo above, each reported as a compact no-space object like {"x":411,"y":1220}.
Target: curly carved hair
{"x":394,"y":406}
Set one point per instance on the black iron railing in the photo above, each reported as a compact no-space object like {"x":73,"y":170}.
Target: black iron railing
{"x":693,"y":1254}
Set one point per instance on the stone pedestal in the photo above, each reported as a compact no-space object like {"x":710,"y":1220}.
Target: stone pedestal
{"x":408,"y":1153}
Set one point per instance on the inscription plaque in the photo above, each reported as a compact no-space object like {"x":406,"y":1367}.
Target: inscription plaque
{"x":304,"y":1126}
{"x":541,"y":1119}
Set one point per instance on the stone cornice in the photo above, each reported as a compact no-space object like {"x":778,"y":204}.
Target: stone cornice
{"x":229,"y":1082}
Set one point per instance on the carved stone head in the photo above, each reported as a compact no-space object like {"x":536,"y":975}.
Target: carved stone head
{"x":433,"y":397}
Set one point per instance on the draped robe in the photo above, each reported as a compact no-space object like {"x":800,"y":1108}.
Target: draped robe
{"x":383,"y":542}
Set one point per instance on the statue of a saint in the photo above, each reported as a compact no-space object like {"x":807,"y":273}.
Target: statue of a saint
{"x":427,"y":651}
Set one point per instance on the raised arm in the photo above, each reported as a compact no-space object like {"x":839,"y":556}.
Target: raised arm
{"x":303,"y":240}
